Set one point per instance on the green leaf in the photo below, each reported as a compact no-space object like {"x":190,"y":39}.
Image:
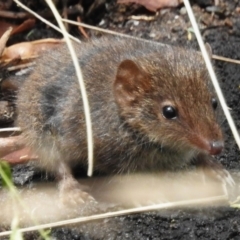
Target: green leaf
{"x":5,"y":168}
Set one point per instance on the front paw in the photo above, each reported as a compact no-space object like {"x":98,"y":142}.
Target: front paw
{"x":71,"y":193}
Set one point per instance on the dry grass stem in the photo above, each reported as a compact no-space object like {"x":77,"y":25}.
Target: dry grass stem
{"x":81,"y":85}
{"x":10,"y":129}
{"x":107,"y":31}
{"x":18,"y":67}
{"x":212,"y":73}
{"x":44,"y":20}
{"x":143,"y":17}
{"x":136,"y":38}
{"x":225,"y":59}
{"x":186,"y":203}
{"x":81,"y":29}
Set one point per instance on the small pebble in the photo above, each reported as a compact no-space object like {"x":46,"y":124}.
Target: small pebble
{"x":101,"y":23}
{"x":152,"y":35}
{"x":183,"y":11}
{"x":135,"y":23}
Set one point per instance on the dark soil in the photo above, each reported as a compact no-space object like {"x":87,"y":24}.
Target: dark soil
{"x":221,"y":29}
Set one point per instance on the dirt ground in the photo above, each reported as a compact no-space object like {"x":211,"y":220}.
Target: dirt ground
{"x":221,"y":29}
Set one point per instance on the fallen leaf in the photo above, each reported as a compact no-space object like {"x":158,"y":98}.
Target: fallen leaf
{"x":19,"y":156}
{"x":26,"y":25}
{"x":25,"y":50}
{"x":4,"y":38}
{"x":4,"y":26}
{"x":10,"y":144}
{"x":154,"y":5}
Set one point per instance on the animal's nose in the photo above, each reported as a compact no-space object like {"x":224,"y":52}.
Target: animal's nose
{"x":216,"y":147}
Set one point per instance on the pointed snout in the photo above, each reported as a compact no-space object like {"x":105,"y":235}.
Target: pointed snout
{"x":216,"y":147}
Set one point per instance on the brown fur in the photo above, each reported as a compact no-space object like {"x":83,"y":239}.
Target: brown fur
{"x":128,"y":83}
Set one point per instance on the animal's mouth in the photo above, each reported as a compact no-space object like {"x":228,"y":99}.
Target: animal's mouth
{"x":216,"y":147}
{"x":213,"y":147}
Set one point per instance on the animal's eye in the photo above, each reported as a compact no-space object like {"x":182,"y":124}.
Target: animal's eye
{"x":169,"y":112}
{"x":214,"y":103}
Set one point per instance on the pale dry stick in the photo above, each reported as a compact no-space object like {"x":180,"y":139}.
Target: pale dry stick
{"x":81,"y":29}
{"x":225,"y":59}
{"x":137,"y":38}
{"x":44,"y":20}
{"x":21,"y":66}
{"x":212,"y":73}
{"x":4,"y":39}
{"x":81,"y":85}
{"x":186,"y":203}
{"x":11,"y":129}
{"x":107,"y":31}
{"x":14,"y":15}
{"x":143,"y":18}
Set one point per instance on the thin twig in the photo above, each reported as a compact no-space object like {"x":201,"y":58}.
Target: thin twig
{"x":45,"y":13}
{"x":212,"y":73}
{"x":14,"y":15}
{"x":144,"y":18}
{"x":81,"y":29}
{"x":21,"y":66}
{"x":108,"y":31}
{"x":44,"y":20}
{"x":168,"y":205}
{"x":217,"y":57}
{"x":11,"y":129}
{"x":81,"y":85}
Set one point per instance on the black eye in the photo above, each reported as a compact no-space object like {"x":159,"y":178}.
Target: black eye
{"x":169,"y":112}
{"x":214,"y":103}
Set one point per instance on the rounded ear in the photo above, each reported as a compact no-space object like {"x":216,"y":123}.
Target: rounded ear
{"x":209,"y":49}
{"x":130,"y":84}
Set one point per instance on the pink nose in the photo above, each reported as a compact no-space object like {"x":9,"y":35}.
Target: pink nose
{"x":216,"y":147}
